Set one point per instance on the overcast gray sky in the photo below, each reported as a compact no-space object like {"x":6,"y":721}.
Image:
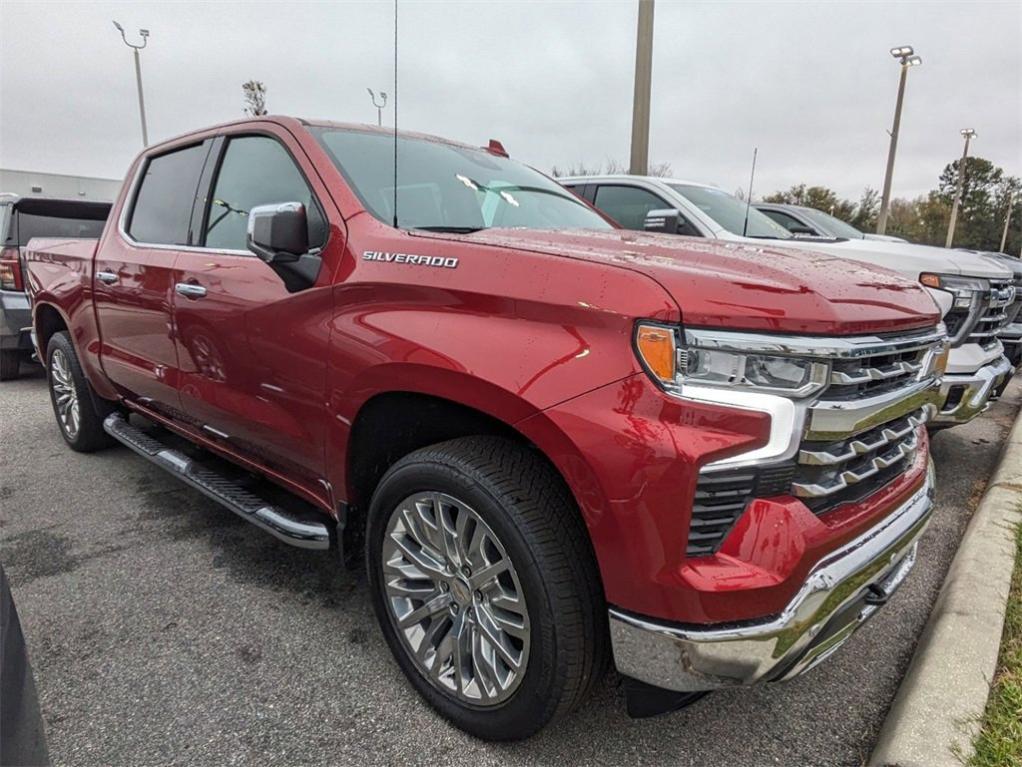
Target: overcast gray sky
{"x":811,"y":84}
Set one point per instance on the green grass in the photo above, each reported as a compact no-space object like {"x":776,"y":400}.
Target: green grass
{"x":1000,"y":741}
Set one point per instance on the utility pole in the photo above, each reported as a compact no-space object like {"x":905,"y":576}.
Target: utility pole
{"x":905,"y":54}
{"x":380,"y":106}
{"x":643,"y":85}
{"x":144,"y":34}
{"x":969,"y":134}
{"x":1007,"y":221}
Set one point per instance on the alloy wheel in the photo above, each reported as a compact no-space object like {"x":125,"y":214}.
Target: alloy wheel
{"x":65,"y":396}
{"x":455,"y":598}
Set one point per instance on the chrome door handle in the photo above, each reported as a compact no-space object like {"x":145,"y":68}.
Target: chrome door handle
{"x":188,"y":290}
{"x":107,"y":278}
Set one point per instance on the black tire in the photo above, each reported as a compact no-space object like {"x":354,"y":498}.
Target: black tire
{"x":10,"y":364}
{"x":89,"y":435}
{"x":528,"y":507}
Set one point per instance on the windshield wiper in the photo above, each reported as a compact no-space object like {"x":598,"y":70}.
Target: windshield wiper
{"x":450,"y":229}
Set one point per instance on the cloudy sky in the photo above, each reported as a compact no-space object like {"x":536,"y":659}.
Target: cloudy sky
{"x":810,"y":84}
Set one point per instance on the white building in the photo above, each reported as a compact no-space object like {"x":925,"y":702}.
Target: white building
{"x":26,"y":183}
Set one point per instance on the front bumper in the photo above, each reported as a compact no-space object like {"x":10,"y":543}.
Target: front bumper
{"x":840,"y":594}
{"x":965,"y":395}
{"x":15,"y":320}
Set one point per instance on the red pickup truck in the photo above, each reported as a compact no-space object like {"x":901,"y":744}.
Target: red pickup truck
{"x":553,"y":441}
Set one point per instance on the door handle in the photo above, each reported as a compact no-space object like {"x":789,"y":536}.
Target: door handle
{"x":188,"y":290}
{"x":107,"y":278}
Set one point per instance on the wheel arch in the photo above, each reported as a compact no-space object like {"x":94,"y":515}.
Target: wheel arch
{"x":424,"y":419}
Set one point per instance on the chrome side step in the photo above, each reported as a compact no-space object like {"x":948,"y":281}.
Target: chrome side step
{"x":306,"y":533}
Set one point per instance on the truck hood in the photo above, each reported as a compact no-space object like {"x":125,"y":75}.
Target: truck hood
{"x":906,"y":258}
{"x":739,"y":286}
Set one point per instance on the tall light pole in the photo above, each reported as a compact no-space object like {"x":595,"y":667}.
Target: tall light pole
{"x":144,"y":34}
{"x":906,"y":55}
{"x":969,"y":134}
{"x":380,"y":106}
{"x":639,"y":164}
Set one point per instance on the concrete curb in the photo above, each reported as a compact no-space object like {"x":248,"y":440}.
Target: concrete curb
{"x":936,"y":713}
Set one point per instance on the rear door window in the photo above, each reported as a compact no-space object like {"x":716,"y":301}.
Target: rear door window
{"x":163,"y":204}
{"x":256,"y":170}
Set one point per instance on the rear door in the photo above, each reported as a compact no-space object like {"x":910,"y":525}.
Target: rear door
{"x":254,"y":354}
{"x":134,"y":278}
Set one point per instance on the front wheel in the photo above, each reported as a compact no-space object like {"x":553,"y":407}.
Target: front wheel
{"x":79,"y":418}
{"x":485,"y":585}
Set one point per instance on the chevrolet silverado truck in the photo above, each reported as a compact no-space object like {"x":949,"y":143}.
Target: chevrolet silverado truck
{"x":973,"y":291}
{"x":551,"y":441}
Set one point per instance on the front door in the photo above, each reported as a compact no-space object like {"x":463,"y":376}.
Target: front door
{"x":134,"y":279}
{"x":253,"y":355}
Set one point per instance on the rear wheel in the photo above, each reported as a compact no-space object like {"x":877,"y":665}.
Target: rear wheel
{"x":485,"y":585}
{"x":10,"y":364}
{"x":80,"y":422}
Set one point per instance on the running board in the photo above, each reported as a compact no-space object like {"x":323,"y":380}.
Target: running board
{"x":280,"y":523}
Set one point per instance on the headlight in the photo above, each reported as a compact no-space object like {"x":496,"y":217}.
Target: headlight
{"x":962,"y":288}
{"x":674,"y":364}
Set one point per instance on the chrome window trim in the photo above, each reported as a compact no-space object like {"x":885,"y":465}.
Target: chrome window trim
{"x":136,"y":181}
{"x":122,"y":231}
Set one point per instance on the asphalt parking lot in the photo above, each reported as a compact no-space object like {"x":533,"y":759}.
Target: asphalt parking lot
{"x":164,"y":630}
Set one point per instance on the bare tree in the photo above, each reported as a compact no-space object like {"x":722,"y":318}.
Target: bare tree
{"x":660,"y":170}
{"x":255,"y":97}
{"x":613,"y":168}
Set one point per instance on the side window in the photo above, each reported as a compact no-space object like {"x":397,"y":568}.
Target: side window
{"x":256,"y":170}
{"x":628,"y":205}
{"x":163,"y":204}
{"x":788,"y":222}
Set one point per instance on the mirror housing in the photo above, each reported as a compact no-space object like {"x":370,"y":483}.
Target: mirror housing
{"x":667,"y":220}
{"x":278,"y":233}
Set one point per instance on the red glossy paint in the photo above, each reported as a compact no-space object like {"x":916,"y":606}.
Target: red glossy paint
{"x":532,"y":328}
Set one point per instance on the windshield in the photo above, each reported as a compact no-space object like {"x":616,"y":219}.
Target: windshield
{"x":443,"y":187}
{"x":729,"y":212}
{"x":831,"y":224}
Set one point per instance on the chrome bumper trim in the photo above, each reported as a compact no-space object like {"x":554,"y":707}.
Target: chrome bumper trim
{"x":829,"y":607}
{"x":979,"y":388}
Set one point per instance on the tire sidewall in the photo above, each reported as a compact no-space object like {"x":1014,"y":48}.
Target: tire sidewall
{"x":538,"y":694}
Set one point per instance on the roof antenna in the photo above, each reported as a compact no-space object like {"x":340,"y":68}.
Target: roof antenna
{"x":395,"y":114}
{"x":748,"y":199}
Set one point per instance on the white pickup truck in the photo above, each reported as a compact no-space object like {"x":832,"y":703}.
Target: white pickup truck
{"x":972,"y":291}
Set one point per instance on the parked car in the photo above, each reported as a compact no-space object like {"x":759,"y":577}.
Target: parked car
{"x":476,"y":382}
{"x":21,"y":219}
{"x":806,"y":221}
{"x":971,"y":290}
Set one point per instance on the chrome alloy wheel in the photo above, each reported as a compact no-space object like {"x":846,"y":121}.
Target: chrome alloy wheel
{"x":65,"y":396}
{"x":455,"y":599}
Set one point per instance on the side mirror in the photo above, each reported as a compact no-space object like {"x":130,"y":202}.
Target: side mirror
{"x":278,"y":233}
{"x":667,"y":221}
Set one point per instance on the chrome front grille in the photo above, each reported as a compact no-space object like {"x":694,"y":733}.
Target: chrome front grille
{"x":857,"y":436}
{"x":855,"y":378}
{"x":993,"y":315}
{"x":827,"y":471}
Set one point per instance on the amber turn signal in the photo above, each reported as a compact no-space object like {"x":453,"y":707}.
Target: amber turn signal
{"x":656,"y":347}
{"x":930,"y":280}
